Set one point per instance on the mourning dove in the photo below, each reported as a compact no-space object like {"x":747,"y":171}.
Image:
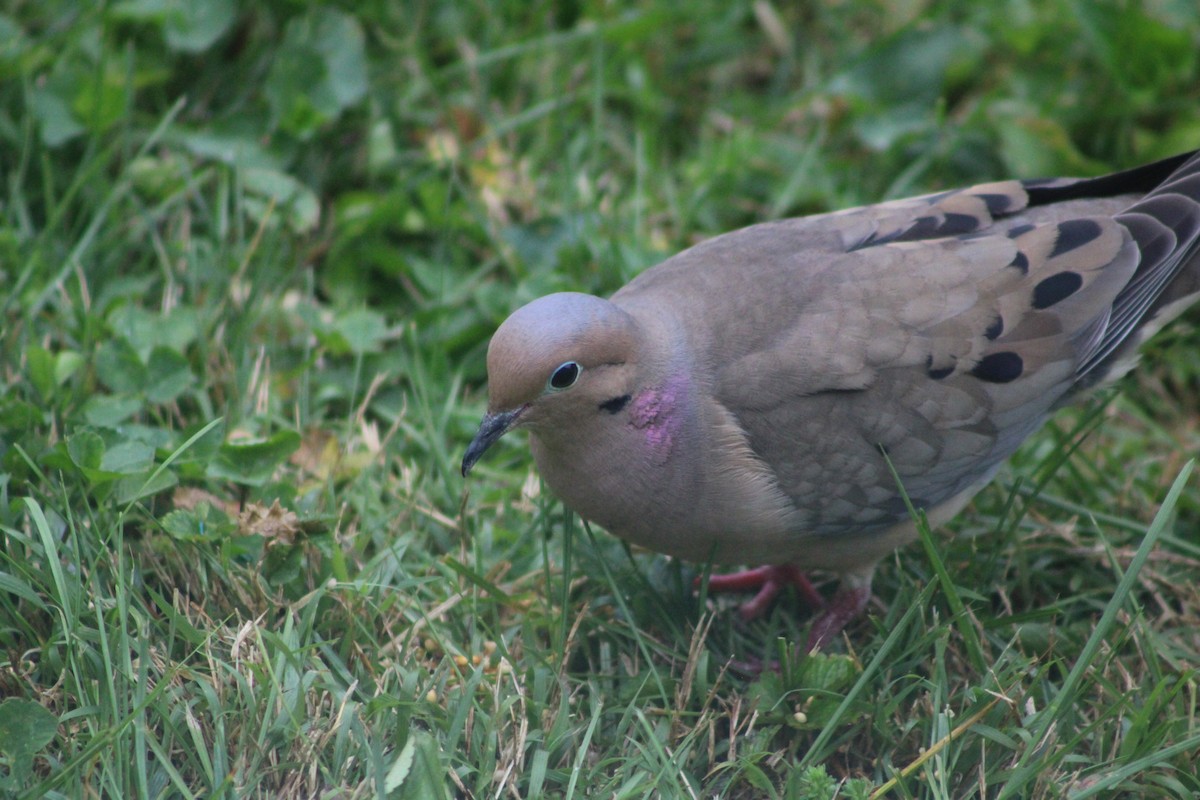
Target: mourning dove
{"x":735,"y":403}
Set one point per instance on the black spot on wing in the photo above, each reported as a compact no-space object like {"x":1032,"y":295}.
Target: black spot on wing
{"x":1021,"y":262}
{"x":948,"y":224}
{"x":922,"y":228}
{"x":1001,"y":367}
{"x":956,"y":224}
{"x":1020,"y":230}
{"x":938,"y":373}
{"x":1056,"y":288}
{"x":995,"y":329}
{"x":1075,"y":233}
{"x":996,"y":203}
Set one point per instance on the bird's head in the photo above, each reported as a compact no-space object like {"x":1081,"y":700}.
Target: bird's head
{"x":555,"y":363}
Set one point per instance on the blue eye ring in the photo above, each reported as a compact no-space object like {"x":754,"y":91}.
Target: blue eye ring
{"x":564,"y":376}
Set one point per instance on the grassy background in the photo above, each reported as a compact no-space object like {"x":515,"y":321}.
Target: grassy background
{"x":250,"y":255}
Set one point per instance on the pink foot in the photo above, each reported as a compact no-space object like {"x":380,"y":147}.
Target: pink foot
{"x":769,"y":581}
{"x":849,"y":601}
{"x":846,"y":604}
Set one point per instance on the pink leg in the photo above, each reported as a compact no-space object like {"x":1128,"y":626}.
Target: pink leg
{"x":846,"y":604}
{"x":769,"y":581}
{"x":850,"y":599}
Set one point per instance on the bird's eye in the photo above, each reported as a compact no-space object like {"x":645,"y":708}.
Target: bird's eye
{"x":564,"y":376}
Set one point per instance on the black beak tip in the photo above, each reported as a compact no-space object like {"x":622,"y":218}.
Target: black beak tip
{"x":470,"y":457}
{"x":492,"y":428}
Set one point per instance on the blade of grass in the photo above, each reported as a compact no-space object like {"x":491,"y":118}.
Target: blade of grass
{"x":817,"y":750}
{"x":1136,"y":767}
{"x":962,"y":620}
{"x":1028,"y":766}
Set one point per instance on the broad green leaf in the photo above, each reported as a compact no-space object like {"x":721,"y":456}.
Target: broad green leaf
{"x":206,"y":447}
{"x":146,"y":330}
{"x":119,"y":368}
{"x":253,"y":463}
{"x":539,"y":242}
{"x":25,"y":728}
{"x":55,"y":120}
{"x":340,"y":40}
{"x":66,"y":364}
{"x":295,"y":86}
{"x":235,"y":150}
{"x":169,"y":375}
{"x":185,"y":525}
{"x":198,"y":524}
{"x":110,"y":410}
{"x":87,"y":452}
{"x":1139,"y":52}
{"x":817,"y":683}
{"x":195,"y":25}
{"x":1032,"y":144}
{"x":189,"y":26}
{"x":401,"y":766}
{"x":157,"y":176}
{"x":283,"y":564}
{"x":86,"y":449}
{"x":41,"y":370}
{"x":910,"y":66}
{"x":319,"y":69}
{"x":144,"y":484}
{"x":419,"y":772}
{"x":100,"y":104}
{"x":19,"y":415}
{"x":362,"y":329}
{"x":127,"y":457}
{"x":272,"y":188}
{"x":381,"y":145}
{"x":13,"y":41}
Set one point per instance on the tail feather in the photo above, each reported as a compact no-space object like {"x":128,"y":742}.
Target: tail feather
{"x":1165,"y":225}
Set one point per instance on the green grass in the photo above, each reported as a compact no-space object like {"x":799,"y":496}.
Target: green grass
{"x":250,"y":256}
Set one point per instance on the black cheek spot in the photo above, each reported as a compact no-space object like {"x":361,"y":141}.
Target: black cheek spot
{"x":1075,"y":233}
{"x":999,"y":367}
{"x":1020,"y":262}
{"x":995,"y":329}
{"x":615,"y":404}
{"x":1056,"y":288}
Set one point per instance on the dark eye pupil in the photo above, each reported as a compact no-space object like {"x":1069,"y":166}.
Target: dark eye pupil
{"x":565,"y":375}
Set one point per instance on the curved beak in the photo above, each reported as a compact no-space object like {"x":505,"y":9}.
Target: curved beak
{"x":492,"y":428}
